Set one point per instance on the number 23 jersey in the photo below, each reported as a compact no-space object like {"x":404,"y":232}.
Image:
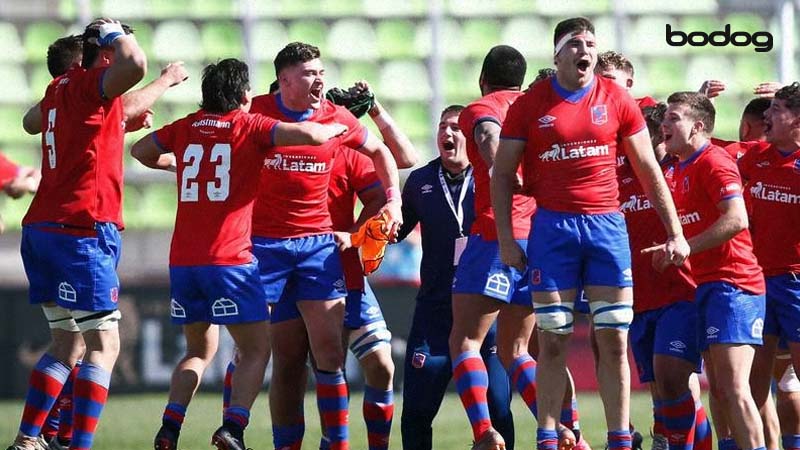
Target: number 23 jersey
{"x":219,"y":159}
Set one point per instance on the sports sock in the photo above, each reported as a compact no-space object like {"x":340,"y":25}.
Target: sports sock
{"x":472,"y":381}
{"x":45,"y":384}
{"x":378,"y":409}
{"x":332,"y":401}
{"x":90,"y":395}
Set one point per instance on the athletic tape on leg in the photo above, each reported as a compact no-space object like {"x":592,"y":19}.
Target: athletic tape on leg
{"x":618,"y":315}
{"x":554,"y":318}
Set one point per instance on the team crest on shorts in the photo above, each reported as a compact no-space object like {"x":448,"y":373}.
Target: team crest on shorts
{"x":498,"y":283}
{"x":114,"y":294}
{"x":599,"y":114}
{"x":536,"y":276}
{"x":418,"y":360}
{"x":757,"y":330}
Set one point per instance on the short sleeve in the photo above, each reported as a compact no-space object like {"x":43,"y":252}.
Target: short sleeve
{"x":88,"y":86}
{"x":360,"y":170}
{"x":264,"y":128}
{"x":723,"y":181}
{"x":516,"y":124}
{"x":474,"y":115}
{"x":630,"y":116}
{"x":165,"y":137}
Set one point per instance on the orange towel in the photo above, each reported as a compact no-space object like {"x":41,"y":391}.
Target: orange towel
{"x":372,"y":241}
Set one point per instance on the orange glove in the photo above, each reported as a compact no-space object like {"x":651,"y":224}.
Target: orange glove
{"x":372,"y":241}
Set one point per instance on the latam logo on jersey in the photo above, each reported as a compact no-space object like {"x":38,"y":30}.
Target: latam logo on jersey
{"x":562,"y":152}
{"x":296,"y":163}
{"x":635,"y":203}
{"x":689,"y":218}
{"x":773,"y":193}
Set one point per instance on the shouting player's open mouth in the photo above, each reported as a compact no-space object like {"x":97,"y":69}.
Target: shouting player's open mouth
{"x":448,"y":146}
{"x":583,"y":66}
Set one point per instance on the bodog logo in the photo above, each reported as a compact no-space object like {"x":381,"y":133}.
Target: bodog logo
{"x":761,"y":40}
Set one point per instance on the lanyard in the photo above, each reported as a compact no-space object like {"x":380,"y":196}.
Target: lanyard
{"x":458,"y":210}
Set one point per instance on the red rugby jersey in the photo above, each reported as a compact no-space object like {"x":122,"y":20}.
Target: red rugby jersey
{"x":773,"y":195}
{"x":571,"y":143}
{"x":351,"y":174}
{"x":651,"y":289}
{"x":219,"y":158}
{"x":293,"y":189}
{"x":82,"y":149}
{"x":698,"y":184}
{"x":492,"y":108}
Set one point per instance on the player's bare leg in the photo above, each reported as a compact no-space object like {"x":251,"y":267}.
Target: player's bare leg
{"x":760,"y":386}
{"x":202,"y":340}
{"x":253,"y":345}
{"x":613,"y":371}
{"x":473,"y":315}
{"x":551,"y":369}
{"x":788,"y":401}
{"x":731,"y":369}
{"x":288,"y":385}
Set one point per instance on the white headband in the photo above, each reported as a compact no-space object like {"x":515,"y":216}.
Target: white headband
{"x":566,"y":38}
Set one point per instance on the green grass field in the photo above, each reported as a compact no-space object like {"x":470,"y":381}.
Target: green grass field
{"x":130,"y":421}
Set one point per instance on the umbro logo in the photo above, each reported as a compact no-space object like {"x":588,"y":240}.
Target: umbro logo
{"x":426,"y":189}
{"x":546,"y":121}
{"x":712,"y":332}
{"x":677,"y":346}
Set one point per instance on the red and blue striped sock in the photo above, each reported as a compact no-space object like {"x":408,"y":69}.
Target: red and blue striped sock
{"x":333,"y":405}
{"x":570,"y":417}
{"x":66,"y":404}
{"x":791,"y":441}
{"x":546,"y":439}
{"x":173,"y":416}
{"x":52,"y":422}
{"x":378,"y":409}
{"x":44,"y":386}
{"x":235,"y":419}
{"x":288,"y":437}
{"x":90,"y":395}
{"x":679,"y":421}
{"x":702,"y":428}
{"x":658,"y":419}
{"x":619,"y":440}
{"x":522,"y":374}
{"x":226,"y":386}
{"x":472,"y":381}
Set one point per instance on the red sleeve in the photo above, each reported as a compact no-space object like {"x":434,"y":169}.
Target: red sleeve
{"x":630,"y":116}
{"x":165,"y":137}
{"x":475,"y":114}
{"x":360,"y":171}
{"x":264,"y":128}
{"x":723,"y":181}
{"x":8,"y":171}
{"x":89,"y":86}
{"x":357,"y":134}
{"x":516,"y":124}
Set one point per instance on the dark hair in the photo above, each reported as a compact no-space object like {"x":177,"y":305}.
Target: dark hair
{"x":790,"y":94}
{"x":274,"y":87}
{"x":570,"y":26}
{"x":451,"y":109}
{"x":614,"y":60}
{"x":91,"y":49}
{"x":544,"y":74}
{"x":224,"y":85}
{"x":503,"y":67}
{"x":700,"y":107}
{"x":756,"y":107}
{"x":295,"y":53}
{"x":63,"y":53}
{"x":653,"y":116}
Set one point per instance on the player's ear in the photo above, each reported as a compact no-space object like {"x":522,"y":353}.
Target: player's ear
{"x":629,"y":83}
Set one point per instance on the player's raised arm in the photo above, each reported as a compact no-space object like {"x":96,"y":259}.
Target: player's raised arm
{"x":137,"y":103}
{"x":306,"y":133}
{"x":32,"y":120}
{"x":386,"y":169}
{"x":128,"y":62}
